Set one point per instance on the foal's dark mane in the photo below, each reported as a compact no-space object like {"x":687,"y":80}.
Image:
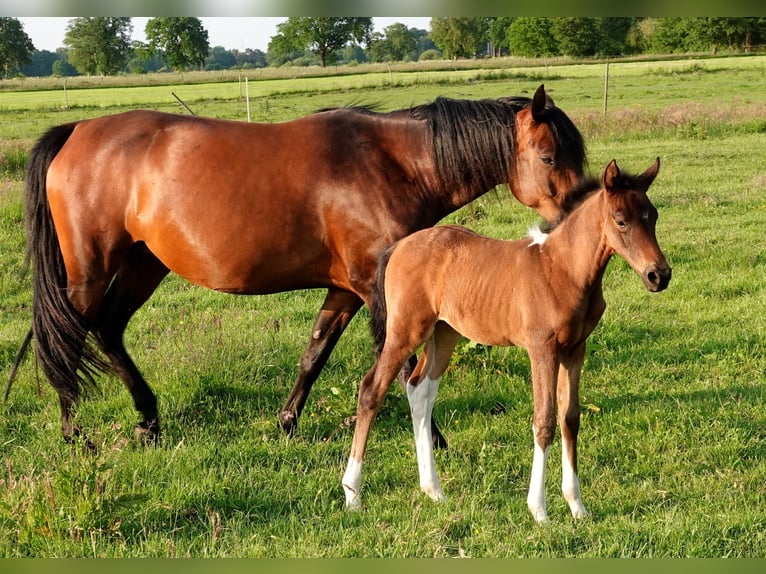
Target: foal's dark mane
{"x":586,"y":187}
{"x":582,"y":190}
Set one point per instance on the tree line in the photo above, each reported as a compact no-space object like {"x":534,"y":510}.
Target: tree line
{"x":103,"y":45}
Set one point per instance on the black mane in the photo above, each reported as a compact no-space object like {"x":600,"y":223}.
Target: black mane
{"x":473,"y":141}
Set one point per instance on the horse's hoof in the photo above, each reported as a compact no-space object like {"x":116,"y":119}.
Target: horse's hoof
{"x":147,"y":432}
{"x":438,"y":440}
{"x":288,"y":422}
{"x":78,"y":438}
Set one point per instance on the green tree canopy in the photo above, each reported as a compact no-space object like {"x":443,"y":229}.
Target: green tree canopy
{"x":576,"y":36}
{"x":321,"y":35}
{"x":98,"y":45}
{"x":15,"y":46}
{"x":497,"y":32}
{"x":458,"y":37}
{"x":531,"y":37}
{"x":182,"y":40}
{"x":398,"y":43}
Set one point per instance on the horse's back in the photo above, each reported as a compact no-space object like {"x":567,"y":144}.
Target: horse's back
{"x":271,"y":201}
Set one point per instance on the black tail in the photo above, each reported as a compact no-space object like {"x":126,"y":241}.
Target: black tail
{"x":379,"y":311}
{"x":68,"y":360}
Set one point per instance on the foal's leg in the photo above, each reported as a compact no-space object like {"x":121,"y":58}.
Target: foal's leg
{"x":544,"y":372}
{"x":437,"y":438}
{"x":338,"y":309}
{"x":569,"y":421}
{"x":134,"y":283}
{"x":372,"y":391}
{"x":422,"y":388}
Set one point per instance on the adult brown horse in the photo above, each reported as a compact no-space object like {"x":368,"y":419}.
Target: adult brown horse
{"x":116,"y":203}
{"x":544,"y":295}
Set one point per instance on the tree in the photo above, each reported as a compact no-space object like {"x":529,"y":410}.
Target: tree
{"x":531,"y":37}
{"x":182,"y":40}
{"x":321,"y":35}
{"x":458,"y":37}
{"x":15,"y":46}
{"x":398,"y":44}
{"x":423,"y":42}
{"x":577,"y":36}
{"x":220,"y":59}
{"x":497,"y":32}
{"x":41,"y":64}
{"x":731,"y":33}
{"x":62,"y":69}
{"x":250,"y":58}
{"x":98,"y":45}
{"x":282,"y":49}
{"x":614,"y":34}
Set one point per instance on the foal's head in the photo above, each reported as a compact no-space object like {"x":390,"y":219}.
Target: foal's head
{"x":630,"y":224}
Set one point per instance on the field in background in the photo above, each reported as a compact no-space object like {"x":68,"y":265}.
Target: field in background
{"x":673,"y":435}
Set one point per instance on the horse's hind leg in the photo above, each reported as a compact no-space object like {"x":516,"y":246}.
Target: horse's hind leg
{"x":134,"y":283}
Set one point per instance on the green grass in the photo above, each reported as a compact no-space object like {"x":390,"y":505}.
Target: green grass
{"x":673,"y":434}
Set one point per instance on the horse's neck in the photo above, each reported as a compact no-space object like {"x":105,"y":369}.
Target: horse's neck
{"x":578,"y":247}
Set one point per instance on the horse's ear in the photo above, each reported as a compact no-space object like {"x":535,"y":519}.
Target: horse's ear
{"x":646,"y":178}
{"x":538,"y":103}
{"x":611,"y":177}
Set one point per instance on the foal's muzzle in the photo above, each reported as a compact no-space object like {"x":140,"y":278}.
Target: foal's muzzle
{"x":656,"y":278}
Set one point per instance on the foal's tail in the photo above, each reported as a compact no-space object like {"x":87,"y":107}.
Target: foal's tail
{"x":60,"y":332}
{"x":379,"y":310}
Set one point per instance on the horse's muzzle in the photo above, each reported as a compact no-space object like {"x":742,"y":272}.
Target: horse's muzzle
{"x":657,"y":278}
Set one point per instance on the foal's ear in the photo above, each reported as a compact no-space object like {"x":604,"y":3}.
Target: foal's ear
{"x":538,"y":103}
{"x":612,"y":177}
{"x":645,"y":179}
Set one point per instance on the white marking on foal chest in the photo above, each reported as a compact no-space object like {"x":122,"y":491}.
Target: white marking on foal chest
{"x":537,"y":235}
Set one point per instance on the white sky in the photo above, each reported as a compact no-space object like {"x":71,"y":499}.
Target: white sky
{"x":236,"y":32}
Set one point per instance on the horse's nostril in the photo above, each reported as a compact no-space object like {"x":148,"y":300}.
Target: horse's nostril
{"x":652,"y":276}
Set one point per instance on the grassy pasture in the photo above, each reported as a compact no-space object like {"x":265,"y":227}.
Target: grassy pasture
{"x":673,"y":436}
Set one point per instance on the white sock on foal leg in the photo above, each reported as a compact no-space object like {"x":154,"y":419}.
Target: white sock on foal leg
{"x":422,"y":398}
{"x":352,"y":483}
{"x":570,"y":485}
{"x":536,"y":495}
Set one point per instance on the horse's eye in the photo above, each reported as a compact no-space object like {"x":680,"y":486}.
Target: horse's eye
{"x":547,"y":160}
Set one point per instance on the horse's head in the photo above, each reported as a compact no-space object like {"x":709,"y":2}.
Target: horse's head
{"x":550,"y":156}
{"x":630,"y":224}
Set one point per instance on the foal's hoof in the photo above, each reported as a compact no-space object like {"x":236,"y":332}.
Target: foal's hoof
{"x":147,"y":432}
{"x":288,"y":422}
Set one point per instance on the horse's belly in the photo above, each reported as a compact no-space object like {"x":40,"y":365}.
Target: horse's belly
{"x":241,"y":268}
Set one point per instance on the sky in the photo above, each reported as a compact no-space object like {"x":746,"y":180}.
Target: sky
{"x":233,"y":33}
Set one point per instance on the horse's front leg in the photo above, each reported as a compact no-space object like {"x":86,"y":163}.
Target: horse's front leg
{"x":338,"y":309}
{"x":544,"y":373}
{"x":569,"y":421}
